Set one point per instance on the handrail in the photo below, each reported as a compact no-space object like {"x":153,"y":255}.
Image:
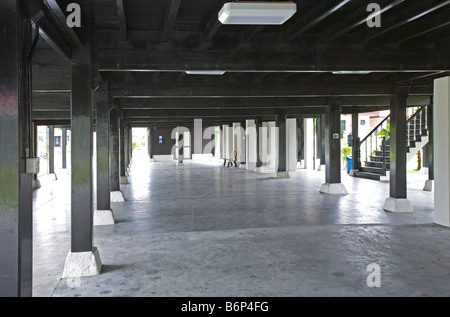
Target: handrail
{"x":375,"y":129}
{"x":415,"y":114}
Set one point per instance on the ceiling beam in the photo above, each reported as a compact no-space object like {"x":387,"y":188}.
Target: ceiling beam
{"x":122,"y":19}
{"x":54,"y":39}
{"x":249,"y":91}
{"x":213,"y":24}
{"x":406,"y":21}
{"x":437,"y":27}
{"x":171,"y":16}
{"x":57,"y":13}
{"x":318,"y":19}
{"x":275,"y":59}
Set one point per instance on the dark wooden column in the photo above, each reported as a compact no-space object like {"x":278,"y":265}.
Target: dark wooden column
{"x":355,"y":148}
{"x":64,"y":147}
{"x":102,"y":124}
{"x":51,"y":149}
{"x":333,"y":143}
{"x":15,"y":146}
{"x":280,"y":122}
{"x":114,"y":150}
{"x":258,"y":123}
{"x":122,"y":147}
{"x":398,"y":144}
{"x":82,"y":152}
{"x":301,"y":140}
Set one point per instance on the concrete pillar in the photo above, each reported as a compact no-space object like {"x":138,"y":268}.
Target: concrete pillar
{"x":251,"y":147}
{"x":397,"y":201}
{"x":103,"y":214}
{"x":441,"y":128}
{"x":242,"y":145}
{"x":333,"y":183}
{"x":300,"y":142}
{"x":16,"y":252}
{"x":291,"y":135}
{"x":308,"y":133}
{"x":36,"y":182}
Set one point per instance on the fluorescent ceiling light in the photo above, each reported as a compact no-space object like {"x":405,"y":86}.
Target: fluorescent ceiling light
{"x":205,"y":72}
{"x":259,"y":13}
{"x":351,"y":72}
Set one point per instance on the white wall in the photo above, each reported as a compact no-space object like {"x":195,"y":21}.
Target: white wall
{"x":309,"y":141}
{"x":441,"y":128}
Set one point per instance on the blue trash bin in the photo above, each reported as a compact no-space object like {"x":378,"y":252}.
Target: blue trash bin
{"x":349,"y":163}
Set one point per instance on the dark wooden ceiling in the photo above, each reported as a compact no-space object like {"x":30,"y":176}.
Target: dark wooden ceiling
{"x":143,"y":49}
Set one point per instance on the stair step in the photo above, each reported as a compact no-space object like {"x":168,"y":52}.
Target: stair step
{"x":368,"y":175}
{"x":377,"y":158}
{"x":380,"y":153}
{"x":377,"y":164}
{"x":373,"y":170}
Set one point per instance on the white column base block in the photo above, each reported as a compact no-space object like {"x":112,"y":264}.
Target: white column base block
{"x":423,"y":170}
{"x":397,"y":205}
{"x":242,"y":165}
{"x":320,"y":167}
{"x":80,"y":264}
{"x":104,"y":218}
{"x":123,"y":180}
{"x":127,"y":174}
{"x":258,"y":169}
{"x":117,"y":197}
{"x":53,"y":176}
{"x":282,"y":175}
{"x":352,"y":173}
{"x":178,"y":163}
{"x":333,"y":189}
{"x":36,"y":184}
{"x":428,"y":185}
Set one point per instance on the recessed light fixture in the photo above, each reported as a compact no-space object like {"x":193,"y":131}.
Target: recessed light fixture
{"x":205,"y":72}
{"x":351,"y":72}
{"x":258,"y":13}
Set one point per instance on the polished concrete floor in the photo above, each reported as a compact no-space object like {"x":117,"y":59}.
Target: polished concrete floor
{"x":205,"y":230}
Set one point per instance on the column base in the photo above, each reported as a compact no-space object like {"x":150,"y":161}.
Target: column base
{"x":178,"y":163}
{"x":36,"y":184}
{"x":397,"y":205}
{"x":321,"y":167}
{"x":282,"y":175}
{"x":104,"y":218}
{"x":333,"y":189}
{"x":117,"y":197}
{"x":428,"y":185}
{"x":80,"y":264}
{"x":242,"y":165}
{"x":123,"y":180}
{"x":258,"y":169}
{"x":127,"y":174}
{"x":352,"y":173}
{"x":53,"y":176}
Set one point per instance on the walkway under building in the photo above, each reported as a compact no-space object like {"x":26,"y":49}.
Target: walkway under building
{"x":206,"y":230}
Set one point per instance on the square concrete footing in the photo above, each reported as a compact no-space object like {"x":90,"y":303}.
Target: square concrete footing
{"x":333,"y":189}
{"x":123,"y":180}
{"x":36,"y":184}
{"x":321,"y":167}
{"x":282,"y":175}
{"x":104,"y":218}
{"x":428,"y":185}
{"x":81,"y":264}
{"x":258,"y":169}
{"x":397,"y":205}
{"x":117,"y":197}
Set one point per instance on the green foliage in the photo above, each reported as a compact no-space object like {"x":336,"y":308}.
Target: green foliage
{"x":345,"y":152}
{"x":385,"y":132}
{"x":134,"y":145}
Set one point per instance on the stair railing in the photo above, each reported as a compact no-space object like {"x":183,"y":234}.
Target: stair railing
{"x":383,"y":147}
{"x":419,"y":118}
{"x":370,"y":142}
